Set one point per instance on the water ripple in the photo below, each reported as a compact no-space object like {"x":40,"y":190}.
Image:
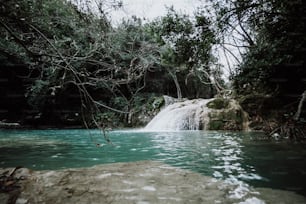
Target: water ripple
{"x":228,"y":156}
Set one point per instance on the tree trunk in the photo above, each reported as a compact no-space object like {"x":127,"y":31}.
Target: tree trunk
{"x":300,"y":107}
{"x":178,"y":88}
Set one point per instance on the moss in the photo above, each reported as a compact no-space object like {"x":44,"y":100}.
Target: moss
{"x":234,"y":115}
{"x":228,"y":119}
{"x":218,"y":103}
{"x":158,"y":102}
{"x":153,"y":103}
{"x":216,"y":125}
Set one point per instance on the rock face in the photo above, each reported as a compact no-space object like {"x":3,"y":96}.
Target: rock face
{"x":200,"y":114}
{"x":137,"y":182}
{"x":226,"y":114}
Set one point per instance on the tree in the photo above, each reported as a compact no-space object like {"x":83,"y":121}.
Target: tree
{"x":71,"y":50}
{"x":266,"y":35}
{"x":269,"y":37}
{"x":185,"y":46}
{"x":63,"y":47}
{"x":133,"y":55}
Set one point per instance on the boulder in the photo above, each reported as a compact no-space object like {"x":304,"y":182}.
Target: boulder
{"x":226,"y":114}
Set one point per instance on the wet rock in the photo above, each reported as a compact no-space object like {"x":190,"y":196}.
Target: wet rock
{"x":139,"y":182}
{"x":226,"y":114}
{"x":136,"y":182}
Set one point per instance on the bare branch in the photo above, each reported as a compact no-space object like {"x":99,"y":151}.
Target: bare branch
{"x":300,"y":107}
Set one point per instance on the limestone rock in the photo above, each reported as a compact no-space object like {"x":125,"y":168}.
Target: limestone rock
{"x":138,"y":182}
{"x":226,"y":114}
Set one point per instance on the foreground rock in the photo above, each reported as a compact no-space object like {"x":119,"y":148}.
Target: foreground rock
{"x":138,"y":182}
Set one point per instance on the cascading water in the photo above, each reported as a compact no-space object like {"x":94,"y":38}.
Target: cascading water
{"x":186,"y":115}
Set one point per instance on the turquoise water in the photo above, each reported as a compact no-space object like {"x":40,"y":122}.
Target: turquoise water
{"x":234,"y":157}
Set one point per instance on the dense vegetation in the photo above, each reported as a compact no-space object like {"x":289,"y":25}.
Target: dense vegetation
{"x":271,"y":73}
{"x":64,"y":63}
{"x":70,"y":64}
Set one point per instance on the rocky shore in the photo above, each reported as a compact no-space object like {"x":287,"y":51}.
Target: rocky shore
{"x":137,"y":182}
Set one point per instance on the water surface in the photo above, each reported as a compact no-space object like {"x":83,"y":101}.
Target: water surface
{"x":239,"y":158}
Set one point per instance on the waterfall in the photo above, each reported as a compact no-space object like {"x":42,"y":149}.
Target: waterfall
{"x":186,"y":115}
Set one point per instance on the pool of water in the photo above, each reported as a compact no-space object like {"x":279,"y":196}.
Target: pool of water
{"x":236,"y":157}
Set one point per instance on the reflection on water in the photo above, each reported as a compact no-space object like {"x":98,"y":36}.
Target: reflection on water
{"x":234,"y":157}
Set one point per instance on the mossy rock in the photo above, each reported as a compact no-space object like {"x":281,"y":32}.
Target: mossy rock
{"x":216,"y":125}
{"x":153,"y":103}
{"x":226,"y":119}
{"x":218,"y":103}
{"x":158,"y":102}
{"x":235,"y":115}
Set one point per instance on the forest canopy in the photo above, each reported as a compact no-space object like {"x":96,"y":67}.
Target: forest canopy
{"x":65,"y":61}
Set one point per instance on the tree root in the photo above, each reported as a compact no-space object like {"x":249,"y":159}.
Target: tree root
{"x":10,"y":185}
{"x":293,"y":128}
{"x":290,"y":130}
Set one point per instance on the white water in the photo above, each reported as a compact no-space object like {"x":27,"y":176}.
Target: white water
{"x":186,"y":115}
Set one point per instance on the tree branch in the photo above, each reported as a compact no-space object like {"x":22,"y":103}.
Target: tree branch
{"x":19,"y":41}
{"x":300,"y":107}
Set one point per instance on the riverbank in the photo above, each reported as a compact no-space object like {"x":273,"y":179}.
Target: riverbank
{"x":135,"y":182}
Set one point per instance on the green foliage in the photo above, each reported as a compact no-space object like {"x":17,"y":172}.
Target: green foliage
{"x":46,"y":36}
{"x":133,"y":55}
{"x":37,"y":93}
{"x":185,"y":46}
{"x":70,"y":50}
{"x":158,"y":103}
{"x":108,"y":119}
{"x":118,"y":102}
{"x":275,"y":60}
{"x":186,"y":41}
{"x":128,"y":45}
